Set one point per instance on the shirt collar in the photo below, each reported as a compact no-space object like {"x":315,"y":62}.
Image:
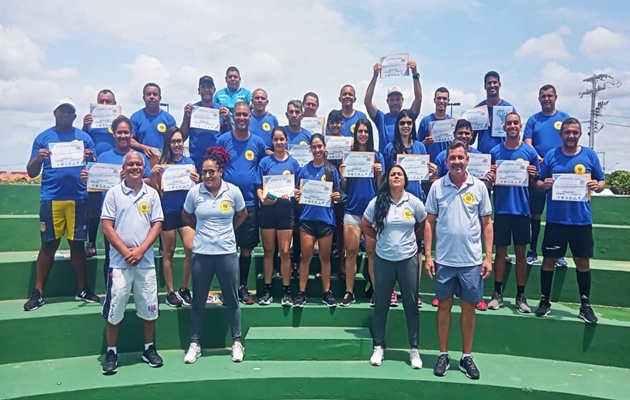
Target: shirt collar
{"x":449,"y":182}
{"x":128,"y":190}
{"x":404,"y":198}
{"x":204,"y":189}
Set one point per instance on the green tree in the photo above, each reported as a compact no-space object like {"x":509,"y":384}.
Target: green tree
{"x":618,"y":182}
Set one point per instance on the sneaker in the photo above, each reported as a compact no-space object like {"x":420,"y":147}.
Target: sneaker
{"x":244,"y":297}
{"x":110,"y":364}
{"x":531,"y":257}
{"x":372,"y":303}
{"x":238,"y":352}
{"x":496,"y":301}
{"x":35,"y":301}
{"x":393,"y":301}
{"x":286,"y":300}
{"x":151,"y":357}
{"x":481,"y":306}
{"x":562,"y":263}
{"x":435,"y":302}
{"x":90,"y":250}
{"x":442,"y":365}
{"x":348,"y":299}
{"x":266,"y":298}
{"x":184,"y":296}
{"x":521,"y":304}
{"x":300,"y":300}
{"x":543,"y":309}
{"x":587,"y":314}
{"x":172,"y":300}
{"x":329,"y":299}
{"x":414,"y":359}
{"x":86,"y":295}
{"x":193,"y":353}
{"x":419,"y":301}
{"x":468,"y":367}
{"x":377,"y":356}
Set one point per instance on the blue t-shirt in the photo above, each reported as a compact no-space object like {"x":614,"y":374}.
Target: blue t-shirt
{"x":316,"y":213}
{"x":385,"y":125}
{"x":263,"y":126}
{"x":103,"y":139}
{"x":424,"y":130}
{"x":347,"y":128}
{"x":242,"y":170}
{"x":361,"y":190}
{"x":173,"y":202}
{"x":201,"y":139}
{"x":413,"y":187}
{"x":485,"y":140}
{"x":513,"y":200}
{"x":302,"y":137}
{"x":440,"y":161}
{"x":149,"y":129}
{"x":227,"y":98}
{"x":61,"y":183}
{"x":556,"y":162}
{"x":544,"y":131}
{"x":270,"y":165}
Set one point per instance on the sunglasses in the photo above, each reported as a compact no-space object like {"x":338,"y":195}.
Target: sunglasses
{"x":205,"y":172}
{"x":403,"y":123}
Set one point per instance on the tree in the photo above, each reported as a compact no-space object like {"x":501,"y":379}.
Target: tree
{"x":618,"y":182}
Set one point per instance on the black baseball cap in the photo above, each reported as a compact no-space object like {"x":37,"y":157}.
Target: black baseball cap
{"x":206,"y":79}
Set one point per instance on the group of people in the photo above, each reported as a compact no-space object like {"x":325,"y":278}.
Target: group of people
{"x":227,"y":207}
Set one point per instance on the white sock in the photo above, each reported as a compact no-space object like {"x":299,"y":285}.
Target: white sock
{"x":112,"y":349}
{"x":147,"y":345}
{"x":444,"y":352}
{"x":466,"y":355}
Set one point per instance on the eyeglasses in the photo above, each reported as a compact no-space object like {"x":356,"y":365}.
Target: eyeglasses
{"x":403,"y":123}
{"x":177,"y":141}
{"x":205,"y":172}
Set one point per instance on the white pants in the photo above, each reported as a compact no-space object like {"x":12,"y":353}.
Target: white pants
{"x":121,"y":283}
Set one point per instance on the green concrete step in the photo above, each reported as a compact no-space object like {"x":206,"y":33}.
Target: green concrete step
{"x":502,"y":377}
{"x":309,"y":343}
{"x":314,"y":287}
{"x":67,"y":328}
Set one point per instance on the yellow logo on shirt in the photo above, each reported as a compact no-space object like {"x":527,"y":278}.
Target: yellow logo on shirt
{"x":520,"y":159}
{"x":557,"y":125}
{"x":579,"y":169}
{"x":352,"y":128}
{"x":323,"y":178}
{"x":468,"y":198}
{"x":225,"y":206}
{"x":286,"y":172}
{"x":144,"y":207}
{"x":110,"y":130}
{"x":407,"y":214}
{"x":266,"y":127}
{"x":161,"y":127}
{"x":303,"y":143}
{"x":249,"y":155}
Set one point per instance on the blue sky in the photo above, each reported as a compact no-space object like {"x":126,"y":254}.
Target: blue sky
{"x":50,"y":50}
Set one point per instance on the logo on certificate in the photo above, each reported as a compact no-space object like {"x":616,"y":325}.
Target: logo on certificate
{"x":161,"y":127}
{"x":286,"y":172}
{"x":144,"y":207}
{"x":468,"y":198}
{"x":249,"y":155}
{"x":266,"y":127}
{"x":557,"y":125}
{"x":407,"y":214}
{"x":225,"y":206}
{"x":579,"y":169}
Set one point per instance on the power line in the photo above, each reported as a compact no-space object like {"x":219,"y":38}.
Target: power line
{"x":598,"y":83}
{"x":614,"y":116}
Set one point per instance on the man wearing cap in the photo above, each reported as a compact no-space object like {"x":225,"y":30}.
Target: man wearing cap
{"x":262,"y":123}
{"x":233,"y":93}
{"x":201,"y":139}
{"x":385,"y":122}
{"x":347,"y":98}
{"x":63,"y":208}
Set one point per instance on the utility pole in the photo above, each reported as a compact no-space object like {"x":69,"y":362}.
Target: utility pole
{"x":598,"y":83}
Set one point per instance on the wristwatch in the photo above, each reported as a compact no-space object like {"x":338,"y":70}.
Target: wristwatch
{"x":416,"y":75}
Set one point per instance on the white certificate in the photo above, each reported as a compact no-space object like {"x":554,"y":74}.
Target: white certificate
{"x":394,"y":65}
{"x":314,"y":124}
{"x":278,"y":185}
{"x":478,"y":117}
{"x":512,"y":173}
{"x":103,"y":115}
{"x":498,"y":120}
{"x":570,"y":187}
{"x":66,"y":154}
{"x":479,"y":165}
{"x":205,"y":118}
{"x":415,"y":165}
{"x":316,"y":192}
{"x":102,"y":177}
{"x":442,"y":131}
{"x":358,"y":164}
{"x":302,"y":153}
{"x":337,"y":145}
{"x":177,"y":177}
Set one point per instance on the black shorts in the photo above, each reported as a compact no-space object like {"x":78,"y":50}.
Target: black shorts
{"x":317,"y":229}
{"x":557,"y":236}
{"x":536,"y":201}
{"x":247,"y":236}
{"x":95,"y":204}
{"x":278,"y":216}
{"x":511,"y":227}
{"x":172,"y":221}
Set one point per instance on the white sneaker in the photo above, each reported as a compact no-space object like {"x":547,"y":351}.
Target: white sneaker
{"x":414,"y":359}
{"x":377,"y":356}
{"x":193,"y":353}
{"x":238,"y":352}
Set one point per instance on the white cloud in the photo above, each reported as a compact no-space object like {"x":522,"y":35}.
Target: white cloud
{"x":549,"y":46}
{"x":601,"y":43}
{"x":18,"y":54}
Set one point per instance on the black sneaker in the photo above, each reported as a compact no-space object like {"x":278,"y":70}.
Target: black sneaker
{"x":587,"y":314}
{"x":286,"y":301}
{"x":90,"y":250}
{"x":468,"y":367}
{"x":110,"y":364}
{"x":348,"y":299}
{"x":86,"y":295}
{"x":372,"y":303}
{"x":266,"y":298}
{"x":300,"y":300}
{"x":442,"y":365}
{"x":543,"y":309}
{"x":244,"y":297}
{"x":35,"y":301}
{"x":329,"y":299}
{"x":184,"y":296}
{"x":151,"y":357}
{"x":172,"y":300}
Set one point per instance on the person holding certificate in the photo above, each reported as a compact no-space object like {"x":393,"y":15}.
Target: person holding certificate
{"x":394,"y":219}
{"x":214,"y":208}
{"x":172,"y":205}
{"x":317,"y":222}
{"x":463,"y":132}
{"x":569,"y":222}
{"x":359,"y":192}
{"x":294,"y":130}
{"x":275,"y":218}
{"x":350,"y":116}
{"x":512,"y":207}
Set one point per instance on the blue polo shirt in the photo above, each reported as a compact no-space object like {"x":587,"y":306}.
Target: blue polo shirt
{"x":485,"y":140}
{"x":173,"y":202}
{"x":270,"y":165}
{"x":200,"y":139}
{"x":263,"y":126}
{"x":413,"y":187}
{"x":544,"y":131}
{"x":149,"y":129}
{"x":385,"y":125}
{"x":440,"y":161}
{"x":227,"y":98}
{"x":348,"y":123}
{"x":424,"y":130}
{"x":302,"y":137}
{"x":103,"y":139}
{"x":316,"y":213}
{"x":360,"y":191}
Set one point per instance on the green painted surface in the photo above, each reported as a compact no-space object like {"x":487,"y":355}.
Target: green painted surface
{"x":19,"y":199}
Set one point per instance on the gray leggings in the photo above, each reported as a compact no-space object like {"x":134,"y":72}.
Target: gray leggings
{"x":204,"y":267}
{"x":385,"y":275}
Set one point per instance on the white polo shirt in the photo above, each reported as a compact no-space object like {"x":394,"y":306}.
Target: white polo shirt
{"x":132,"y":213}
{"x":458,"y":224}
{"x":214,"y":233}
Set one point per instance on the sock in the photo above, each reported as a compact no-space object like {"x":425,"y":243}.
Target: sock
{"x":535,"y":224}
{"x":498,"y":287}
{"x":112,"y":349}
{"x":584,"y":284}
{"x":444,"y":352}
{"x":147,"y":345}
{"x":546,"y":278}
{"x":244,"y":263}
{"x":520,"y":289}
{"x":268,"y":287}
{"x":93,"y":229}
{"x":466,"y":355}
{"x":286,"y":289}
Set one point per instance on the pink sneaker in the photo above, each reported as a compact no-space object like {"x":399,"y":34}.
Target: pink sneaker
{"x":481,"y":306}
{"x":419,"y":301}
{"x":393,"y":302}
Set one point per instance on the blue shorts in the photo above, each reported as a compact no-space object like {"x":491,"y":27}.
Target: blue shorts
{"x":63,"y":217}
{"x":465,"y":282}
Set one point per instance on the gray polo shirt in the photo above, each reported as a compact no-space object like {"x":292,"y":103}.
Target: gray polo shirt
{"x":457,"y":226}
{"x":132,"y":213}
{"x":397,"y":240}
{"x":214,"y":233}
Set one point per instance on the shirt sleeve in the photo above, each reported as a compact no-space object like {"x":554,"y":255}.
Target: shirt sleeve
{"x":544,"y":167}
{"x":485,"y":206}
{"x":431,"y":204}
{"x":418,"y":210}
{"x":109,"y":205}
{"x":369,"y":211}
{"x":189,"y":203}
{"x":336,"y":178}
{"x":36,"y":146}
{"x":156,"y":207}
{"x":529,"y":128}
{"x":423,"y":129}
{"x":239,"y":202}
{"x":597,"y":173}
